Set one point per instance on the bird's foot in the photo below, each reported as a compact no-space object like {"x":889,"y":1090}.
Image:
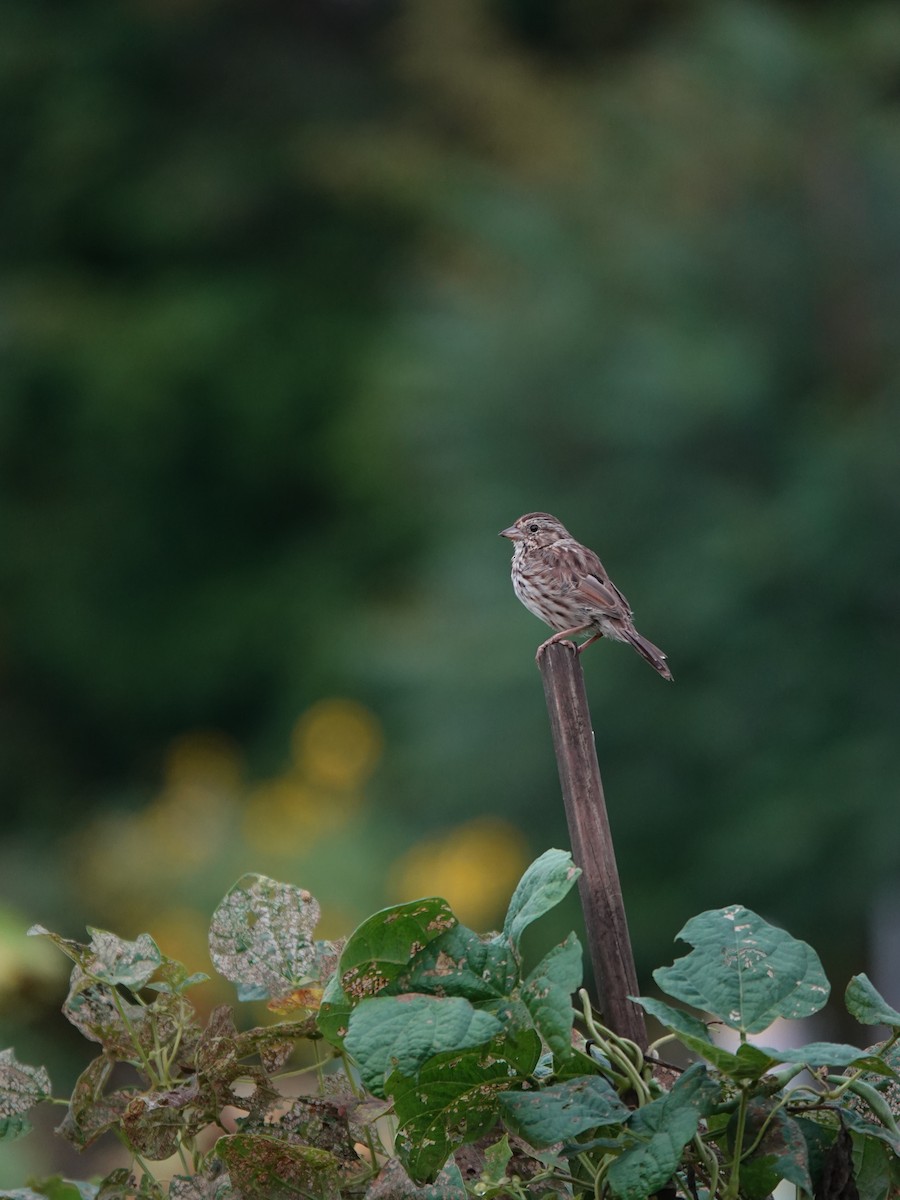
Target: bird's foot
{"x":553,"y":641}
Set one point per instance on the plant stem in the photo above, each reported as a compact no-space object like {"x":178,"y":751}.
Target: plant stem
{"x":732,"y":1189}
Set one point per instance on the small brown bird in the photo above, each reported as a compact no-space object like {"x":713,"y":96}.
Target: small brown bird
{"x":564,"y":584}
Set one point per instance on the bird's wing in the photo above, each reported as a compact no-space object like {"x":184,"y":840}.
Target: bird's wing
{"x":587,"y":580}
{"x":602,"y":592}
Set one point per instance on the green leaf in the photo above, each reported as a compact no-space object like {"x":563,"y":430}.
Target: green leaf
{"x":54,"y":1188}
{"x":782,"y":1142}
{"x":21,"y":1086}
{"x":544,"y":884}
{"x":876,"y":1169}
{"x":744,"y":971}
{"x":455,"y":1099}
{"x":386,"y":943}
{"x":857,"y":1123}
{"x":268,"y":1168}
{"x":748,"y":1062}
{"x":333,"y":1017}
{"x":461,"y":963}
{"x":547,"y":993}
{"x":867,"y":1005}
{"x":830,"y":1054}
{"x":560,"y":1112}
{"x":261,"y":937}
{"x":496,"y":1160}
{"x":389,"y":1033}
{"x":662,"y":1129}
{"x":13,"y":1127}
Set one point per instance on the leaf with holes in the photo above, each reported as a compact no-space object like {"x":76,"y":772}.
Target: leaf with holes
{"x":261,"y":938}
{"x":544,"y":884}
{"x":561,"y":1112}
{"x":547,"y":993}
{"x":389,"y":1033}
{"x":744,"y":971}
{"x":21,"y":1086}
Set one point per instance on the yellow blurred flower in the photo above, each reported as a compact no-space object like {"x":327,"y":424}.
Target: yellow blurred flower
{"x":337,"y":744}
{"x":475,"y":867}
{"x":284,"y":816}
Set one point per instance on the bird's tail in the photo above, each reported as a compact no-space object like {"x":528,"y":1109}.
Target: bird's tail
{"x":651,"y":653}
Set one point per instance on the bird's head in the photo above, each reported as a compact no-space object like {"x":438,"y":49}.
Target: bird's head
{"x":535,"y":530}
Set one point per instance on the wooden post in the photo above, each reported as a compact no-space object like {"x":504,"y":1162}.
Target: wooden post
{"x":592,"y":848}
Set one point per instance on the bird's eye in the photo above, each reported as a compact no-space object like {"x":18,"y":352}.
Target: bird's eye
{"x":533,"y":528}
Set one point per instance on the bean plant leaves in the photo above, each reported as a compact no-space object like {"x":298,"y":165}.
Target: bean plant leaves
{"x":21,"y":1086}
{"x":393,"y":1183}
{"x":560,"y":1112}
{"x":268,"y":1168}
{"x":856,"y":1122}
{"x":261,"y":937}
{"x":747,"y":1062}
{"x":201,"y":1187}
{"x":14,"y":1127}
{"x":544,"y":884}
{"x":461,"y":963}
{"x":783,"y":1148}
{"x":454,"y":1099}
{"x":867,"y":1005}
{"x":744,"y":971}
{"x":547,"y":993}
{"x":333,"y":1019}
{"x":400,"y":1033}
{"x":384,"y":945}
{"x":91,"y":1111}
{"x":662,"y":1129}
{"x":55,"y":1188}
{"x":108,"y":958}
{"x":876,"y":1170}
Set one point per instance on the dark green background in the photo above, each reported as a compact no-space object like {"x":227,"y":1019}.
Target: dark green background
{"x":302,"y":302}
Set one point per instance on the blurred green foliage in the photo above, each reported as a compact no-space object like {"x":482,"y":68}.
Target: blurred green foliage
{"x":303,"y":303}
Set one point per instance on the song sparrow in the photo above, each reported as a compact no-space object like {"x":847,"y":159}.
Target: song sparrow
{"x":564,"y":584}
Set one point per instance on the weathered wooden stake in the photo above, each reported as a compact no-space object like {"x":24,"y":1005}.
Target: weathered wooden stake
{"x":592,"y":848}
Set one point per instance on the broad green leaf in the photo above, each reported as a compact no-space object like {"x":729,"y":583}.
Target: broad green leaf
{"x":661,"y":1130}
{"x":560,"y":1112}
{"x":747,"y":1062}
{"x":261,"y":937}
{"x":830,"y":1054}
{"x":744,"y":971}
{"x":544,"y":884}
{"x":400,"y":1033}
{"x":461,"y":963}
{"x":547,"y":993}
{"x":867,"y":1005}
{"x":269,"y":1167}
{"x":333,"y":1017}
{"x":876,"y":1169}
{"x":454,"y":1100}
{"x":385,"y":944}
{"x":21,"y":1086}
{"x":857,"y":1123}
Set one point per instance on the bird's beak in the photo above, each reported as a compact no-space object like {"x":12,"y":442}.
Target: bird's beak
{"x":512,"y":533}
